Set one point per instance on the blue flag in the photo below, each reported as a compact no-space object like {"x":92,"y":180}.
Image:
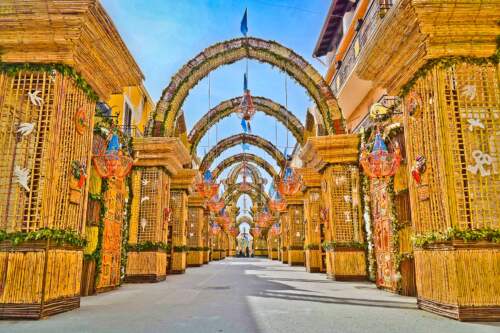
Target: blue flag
{"x":245,"y":82}
{"x":244,"y":125}
{"x":243,"y":25}
{"x":244,"y":146}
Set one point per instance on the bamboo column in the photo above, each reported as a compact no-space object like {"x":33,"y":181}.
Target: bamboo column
{"x":295,"y":230}
{"x":196,"y":206}
{"x":181,"y":188}
{"x":284,"y":238}
{"x":335,"y":158}
{"x":206,"y":237}
{"x":312,"y":203}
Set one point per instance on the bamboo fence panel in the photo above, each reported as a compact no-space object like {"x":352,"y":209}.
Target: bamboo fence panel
{"x":296,"y":226}
{"x":45,"y":154}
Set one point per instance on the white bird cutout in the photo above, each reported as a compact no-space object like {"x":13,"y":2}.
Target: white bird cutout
{"x":35,"y":99}
{"x":469,"y":91}
{"x":145,"y":198}
{"x":475,"y":123}
{"x":25,"y":128}
{"x":23,"y":176}
{"x":145,"y":182}
{"x":144,"y":222}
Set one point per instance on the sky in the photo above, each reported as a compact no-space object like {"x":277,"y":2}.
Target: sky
{"x":163,"y":35}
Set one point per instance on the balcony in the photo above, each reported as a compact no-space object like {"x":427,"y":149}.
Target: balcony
{"x":364,"y":32}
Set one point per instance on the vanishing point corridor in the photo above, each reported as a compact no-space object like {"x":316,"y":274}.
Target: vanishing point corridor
{"x":247,"y":295}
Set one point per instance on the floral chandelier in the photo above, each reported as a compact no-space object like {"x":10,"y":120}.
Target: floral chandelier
{"x":215,"y":204}
{"x":207,"y":188}
{"x":110,"y":162}
{"x":291,"y":182}
{"x":277,"y":204}
{"x":223,"y":219}
{"x":275,"y":229}
{"x":380,"y":162}
{"x":215,"y":229}
{"x":234,"y":231}
{"x":263,"y":218}
{"x":256,"y":232}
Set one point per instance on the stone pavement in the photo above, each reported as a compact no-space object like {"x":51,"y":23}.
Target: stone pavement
{"x":247,"y":295}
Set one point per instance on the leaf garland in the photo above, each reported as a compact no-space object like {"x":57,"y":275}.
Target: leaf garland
{"x":148,"y":246}
{"x":180,"y":248}
{"x":311,"y":247}
{"x":13,"y":69}
{"x":60,"y":236}
{"x":469,"y":235}
{"x":329,"y":246}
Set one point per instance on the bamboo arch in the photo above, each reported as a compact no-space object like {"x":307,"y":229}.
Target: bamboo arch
{"x":230,"y":51}
{"x":226,"y":108}
{"x":236,"y":139}
{"x":226,"y":163}
{"x":254,"y":174}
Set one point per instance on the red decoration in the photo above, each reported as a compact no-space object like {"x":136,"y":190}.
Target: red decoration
{"x":110,"y":162}
{"x":256,"y":232}
{"x":291,"y":182}
{"x":380,"y":162}
{"x":418,"y":169}
{"x":215,"y":205}
{"x":277,"y":205}
{"x":246,"y":109}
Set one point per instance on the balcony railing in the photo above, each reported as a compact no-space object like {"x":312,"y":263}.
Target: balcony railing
{"x":366,"y":30}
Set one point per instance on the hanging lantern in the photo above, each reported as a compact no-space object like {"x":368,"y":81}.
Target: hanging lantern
{"x":277,"y":205}
{"x":215,"y":205}
{"x":234,"y":231}
{"x":109,"y":161}
{"x":223,"y":219}
{"x":246,"y":110}
{"x":256,"y":232}
{"x":380,"y":162}
{"x":215,"y":230}
{"x":263,"y":218}
{"x":207,"y":188}
{"x":291,"y":182}
{"x":275,"y":229}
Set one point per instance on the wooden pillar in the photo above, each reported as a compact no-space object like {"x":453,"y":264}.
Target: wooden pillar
{"x":284,"y":237}
{"x":196,"y":207}
{"x":452,"y":120}
{"x":156,"y":159}
{"x":312,"y":202}
{"x":335,"y":158}
{"x":182,"y":184}
{"x":206,"y":237}
{"x":295,"y":230}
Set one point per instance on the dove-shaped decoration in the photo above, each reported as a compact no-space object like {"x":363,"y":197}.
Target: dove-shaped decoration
{"x":22,"y":177}
{"x":145,"y":182}
{"x":144,"y":198}
{"x":35,"y":99}
{"x":25,"y":128}
{"x":144,"y":223}
{"x":469,"y":91}
{"x":475,"y":123}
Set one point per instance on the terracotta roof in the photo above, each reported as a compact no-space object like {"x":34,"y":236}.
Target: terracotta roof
{"x":332,"y":22}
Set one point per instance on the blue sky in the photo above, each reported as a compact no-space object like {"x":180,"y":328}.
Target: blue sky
{"x":162,"y":35}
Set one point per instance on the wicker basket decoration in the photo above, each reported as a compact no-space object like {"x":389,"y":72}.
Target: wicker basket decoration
{"x":452,"y":119}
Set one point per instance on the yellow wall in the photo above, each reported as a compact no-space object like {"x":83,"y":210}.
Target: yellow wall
{"x":138,"y":99}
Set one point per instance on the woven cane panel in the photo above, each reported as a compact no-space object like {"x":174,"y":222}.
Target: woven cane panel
{"x":178,"y":205}
{"x":345,"y":208}
{"x":149,"y":203}
{"x":456,"y":127}
{"x":472,"y":129}
{"x":194,"y":226}
{"x":45,"y":153}
{"x":296,"y":225}
{"x":313,"y":204}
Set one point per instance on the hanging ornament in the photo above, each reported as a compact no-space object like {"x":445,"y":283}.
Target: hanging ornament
{"x":263,"y":218}
{"x":110,"y":162}
{"x":215,"y":205}
{"x":22,"y":177}
{"x":418,"y":168}
{"x":34,"y":98}
{"x":144,"y":223}
{"x":25,"y":129}
{"x":207,"y":188}
{"x":380,"y":162}
{"x":481,"y":160}
{"x":290,"y":183}
{"x":81,"y":121}
{"x":256,"y":232}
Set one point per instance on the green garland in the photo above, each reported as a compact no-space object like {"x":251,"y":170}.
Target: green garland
{"x":180,"y":248}
{"x":195,"y":248}
{"x":13,"y":69}
{"x":148,"y":246}
{"x":469,"y":235}
{"x":329,"y":246}
{"x":60,"y":236}
{"x":311,"y":247}
{"x":447,"y":62}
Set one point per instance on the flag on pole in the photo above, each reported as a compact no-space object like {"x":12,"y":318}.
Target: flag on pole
{"x":243,"y":25}
{"x":244,"y":125}
{"x":245,"y":82}
{"x":244,"y":146}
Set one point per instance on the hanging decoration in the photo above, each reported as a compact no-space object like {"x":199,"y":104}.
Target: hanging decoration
{"x":215,"y":204}
{"x":263,"y":218}
{"x":275,"y":229}
{"x":110,"y":162}
{"x":380,"y":162}
{"x":246,"y":109}
{"x":276,"y":202}
{"x":215,"y":229}
{"x":207,"y":188}
{"x":291,"y":182}
{"x":22,"y":177}
{"x":256,"y":232}
{"x":25,"y":129}
{"x":81,"y":121}
{"x":418,"y":168}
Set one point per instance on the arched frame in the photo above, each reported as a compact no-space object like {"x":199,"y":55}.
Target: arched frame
{"x":226,"y":163}
{"x":230,"y":51}
{"x":226,"y":108}
{"x":236,"y":139}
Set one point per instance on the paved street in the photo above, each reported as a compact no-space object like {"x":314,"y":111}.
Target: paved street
{"x":247,"y":295}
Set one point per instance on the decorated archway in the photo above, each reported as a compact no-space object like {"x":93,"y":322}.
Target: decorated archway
{"x":226,"y":163}
{"x":230,"y":51}
{"x":226,"y":108}
{"x":254,"y":173}
{"x":237,"y":139}
{"x":254,"y":191}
